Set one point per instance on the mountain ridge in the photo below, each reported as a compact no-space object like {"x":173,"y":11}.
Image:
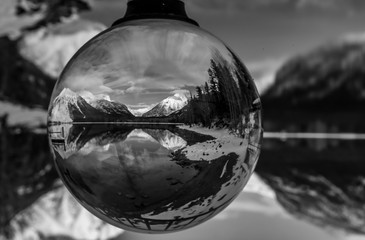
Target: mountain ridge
{"x":330,"y":77}
{"x":167,"y":106}
{"x":69,"y":106}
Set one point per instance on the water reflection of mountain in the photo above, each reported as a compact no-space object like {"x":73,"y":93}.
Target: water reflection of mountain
{"x":159,"y":176}
{"x":325,"y":185}
{"x":76,"y":136}
{"x":27,"y":173}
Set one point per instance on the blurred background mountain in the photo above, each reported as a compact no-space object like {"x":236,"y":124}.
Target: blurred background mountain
{"x":316,"y":85}
{"x":37,"y":39}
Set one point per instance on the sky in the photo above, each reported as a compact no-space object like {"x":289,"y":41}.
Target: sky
{"x":264,"y":33}
{"x":154,"y":68}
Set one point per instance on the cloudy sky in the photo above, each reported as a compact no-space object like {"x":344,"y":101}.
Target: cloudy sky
{"x":264,"y":33}
{"x":153,"y":67}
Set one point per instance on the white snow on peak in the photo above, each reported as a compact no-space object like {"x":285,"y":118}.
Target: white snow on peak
{"x":66,"y":92}
{"x":174,"y":103}
{"x":59,"y":110}
{"x":88,"y":96}
{"x":139,"y":111}
{"x":169,"y":105}
{"x":91,"y":98}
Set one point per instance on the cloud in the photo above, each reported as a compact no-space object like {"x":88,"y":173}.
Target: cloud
{"x":12,"y":24}
{"x":134,"y":89}
{"x":144,"y":64}
{"x":181,"y":92}
{"x":355,"y":37}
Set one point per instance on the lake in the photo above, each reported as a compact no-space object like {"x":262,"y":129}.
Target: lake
{"x":304,"y":186}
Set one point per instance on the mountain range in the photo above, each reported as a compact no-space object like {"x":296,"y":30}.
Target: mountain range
{"x":69,"y":106}
{"x":328,"y":78}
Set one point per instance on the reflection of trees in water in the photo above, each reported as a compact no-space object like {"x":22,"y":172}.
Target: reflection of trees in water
{"x":103,"y":133}
{"x":80,"y":134}
{"x":327,"y":192}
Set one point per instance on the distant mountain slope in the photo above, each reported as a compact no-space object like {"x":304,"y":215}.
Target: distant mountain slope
{"x":21,"y":81}
{"x":167,"y":106}
{"x":69,"y":106}
{"x":330,"y":77}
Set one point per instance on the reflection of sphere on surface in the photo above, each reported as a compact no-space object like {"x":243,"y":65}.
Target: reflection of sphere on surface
{"x":155,"y":126}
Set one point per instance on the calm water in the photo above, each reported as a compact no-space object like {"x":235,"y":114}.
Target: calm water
{"x":152,"y":177}
{"x":302,"y":188}
{"x":318,"y":188}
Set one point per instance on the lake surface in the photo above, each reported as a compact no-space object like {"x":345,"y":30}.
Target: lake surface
{"x":302,"y":188}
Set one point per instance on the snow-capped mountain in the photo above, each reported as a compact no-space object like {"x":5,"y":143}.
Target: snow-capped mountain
{"x":91,"y":98}
{"x":69,"y":106}
{"x":103,"y":103}
{"x":139,"y":111}
{"x":168,"y":106}
{"x":60,"y":111}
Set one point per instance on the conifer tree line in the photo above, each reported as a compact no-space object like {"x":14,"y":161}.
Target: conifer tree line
{"x":225,"y":98}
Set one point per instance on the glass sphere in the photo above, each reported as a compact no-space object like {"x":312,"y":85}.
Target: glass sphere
{"x":155,"y":125}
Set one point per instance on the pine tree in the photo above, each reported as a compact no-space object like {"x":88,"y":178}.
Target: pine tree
{"x":199,"y":93}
